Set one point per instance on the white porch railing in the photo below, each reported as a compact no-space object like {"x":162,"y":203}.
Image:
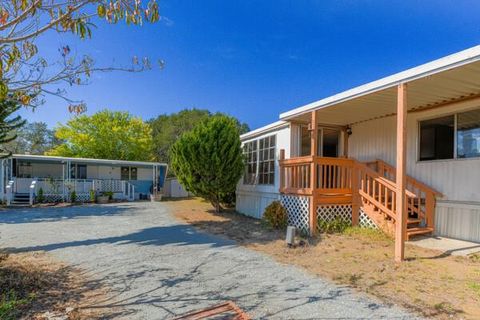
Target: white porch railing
{"x":61,"y":189}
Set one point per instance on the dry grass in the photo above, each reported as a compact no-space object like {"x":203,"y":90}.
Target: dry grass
{"x":429,"y":282}
{"x":34,"y":286}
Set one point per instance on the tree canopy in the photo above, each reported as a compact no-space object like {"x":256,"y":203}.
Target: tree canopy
{"x":167,"y":129}
{"x":9,"y":123}
{"x":33,"y":138}
{"x":208,"y":160}
{"x":26,"y":74}
{"x":105,"y":135}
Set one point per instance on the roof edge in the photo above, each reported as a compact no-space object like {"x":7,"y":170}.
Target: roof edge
{"x":269,"y":127}
{"x":43,"y":157}
{"x":436,"y":66}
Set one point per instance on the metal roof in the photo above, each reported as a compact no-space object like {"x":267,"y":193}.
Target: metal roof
{"x":262,"y":130}
{"x":447,"y":79}
{"x":86,"y":160}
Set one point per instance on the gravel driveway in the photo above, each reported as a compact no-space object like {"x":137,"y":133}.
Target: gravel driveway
{"x":158,"y":267}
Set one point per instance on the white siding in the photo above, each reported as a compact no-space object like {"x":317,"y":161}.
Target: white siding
{"x":457,"y":180}
{"x":145,"y":174}
{"x":108,"y":172}
{"x":252,"y":199}
{"x":458,"y":220}
{"x":458,"y":212}
{"x":47,"y":170}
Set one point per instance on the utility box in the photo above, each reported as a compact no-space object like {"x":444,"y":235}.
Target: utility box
{"x":290,"y":238}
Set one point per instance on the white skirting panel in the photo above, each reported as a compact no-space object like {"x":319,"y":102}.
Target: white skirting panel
{"x":253,"y":204}
{"x":458,"y":220}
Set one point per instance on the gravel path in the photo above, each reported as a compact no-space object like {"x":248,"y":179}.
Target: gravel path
{"x":158,"y":267}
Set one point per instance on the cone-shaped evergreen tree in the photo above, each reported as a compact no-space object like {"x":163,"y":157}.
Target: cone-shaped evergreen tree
{"x":8,"y":124}
{"x":208,"y":160}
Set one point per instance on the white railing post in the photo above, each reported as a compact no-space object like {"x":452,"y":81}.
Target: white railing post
{"x":9,"y":191}
{"x":133,"y":193}
{"x":32,"y":192}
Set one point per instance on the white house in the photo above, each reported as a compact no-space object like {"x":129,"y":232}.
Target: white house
{"x":23,"y":176}
{"x":401,"y":153}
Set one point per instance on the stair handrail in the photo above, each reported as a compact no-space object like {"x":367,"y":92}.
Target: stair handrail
{"x":32,"y":190}
{"x":9,"y":189}
{"x":410,"y":180}
{"x":418,"y":188}
{"x":365,"y":189}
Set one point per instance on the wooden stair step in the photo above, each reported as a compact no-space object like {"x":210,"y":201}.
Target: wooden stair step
{"x":417,"y":231}
{"x":413,"y":220}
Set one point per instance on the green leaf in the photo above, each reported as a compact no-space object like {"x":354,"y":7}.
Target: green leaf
{"x":101,"y":11}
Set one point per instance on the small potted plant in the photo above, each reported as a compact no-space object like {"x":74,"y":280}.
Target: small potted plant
{"x":103,"y":198}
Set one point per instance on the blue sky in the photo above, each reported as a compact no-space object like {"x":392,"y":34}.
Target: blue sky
{"x":256,"y":59}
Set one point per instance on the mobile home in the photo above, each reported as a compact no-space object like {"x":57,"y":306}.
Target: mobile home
{"x":404,"y":149}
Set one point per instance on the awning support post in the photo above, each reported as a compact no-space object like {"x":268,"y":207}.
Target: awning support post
{"x":401,"y":178}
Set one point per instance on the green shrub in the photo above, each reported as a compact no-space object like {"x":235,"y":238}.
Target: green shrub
{"x":208,"y":160}
{"x":109,"y":194}
{"x":73,"y":196}
{"x":40,"y":196}
{"x":10,"y":303}
{"x":337,"y":225}
{"x":92,"y":195}
{"x":276,"y":216}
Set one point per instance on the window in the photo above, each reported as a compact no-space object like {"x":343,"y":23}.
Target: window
{"x":450,"y":137}
{"x":260,"y":161}
{"x":78,"y":171}
{"x":24,"y":169}
{"x":468,"y":134}
{"x":437,"y":138}
{"x":250,"y":152}
{"x":266,"y":172}
{"x":128,"y":173}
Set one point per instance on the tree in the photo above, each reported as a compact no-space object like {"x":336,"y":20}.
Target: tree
{"x":33,"y":138}
{"x":105,"y":135}
{"x":25,"y":74}
{"x":7,"y":130}
{"x":166,"y":129}
{"x":208,"y":160}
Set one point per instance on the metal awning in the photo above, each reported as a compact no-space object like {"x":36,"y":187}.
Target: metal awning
{"x":449,"y":79}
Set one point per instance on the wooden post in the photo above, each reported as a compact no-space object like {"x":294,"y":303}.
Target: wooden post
{"x":355,"y":195}
{"x":282,"y":174}
{"x":345,"y":142}
{"x":401,"y":177}
{"x":313,"y":172}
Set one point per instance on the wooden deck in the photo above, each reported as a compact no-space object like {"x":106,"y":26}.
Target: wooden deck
{"x":369,"y":186}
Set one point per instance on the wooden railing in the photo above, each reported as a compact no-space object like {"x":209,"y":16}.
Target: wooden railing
{"x":423,"y":204}
{"x":295,"y":176}
{"x":368,"y":184}
{"x":334,"y":175}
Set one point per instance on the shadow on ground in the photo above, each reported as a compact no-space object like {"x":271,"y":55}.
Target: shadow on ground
{"x":179,"y":235}
{"x":52,"y":214}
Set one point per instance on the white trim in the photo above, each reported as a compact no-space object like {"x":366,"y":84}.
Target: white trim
{"x":265,"y":129}
{"x":446,"y":63}
{"x":86,"y":160}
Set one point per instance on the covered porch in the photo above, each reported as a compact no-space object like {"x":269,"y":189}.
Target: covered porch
{"x":27,"y":176}
{"x":372,"y":190}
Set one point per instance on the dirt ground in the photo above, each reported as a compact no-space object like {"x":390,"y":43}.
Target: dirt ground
{"x":430,"y":282}
{"x":47,"y":289}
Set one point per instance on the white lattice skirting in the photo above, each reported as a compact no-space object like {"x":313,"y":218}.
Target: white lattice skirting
{"x":298,"y":211}
{"x":331,"y":212}
{"x":344,"y":212}
{"x":81,"y":197}
{"x":364,"y":221}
